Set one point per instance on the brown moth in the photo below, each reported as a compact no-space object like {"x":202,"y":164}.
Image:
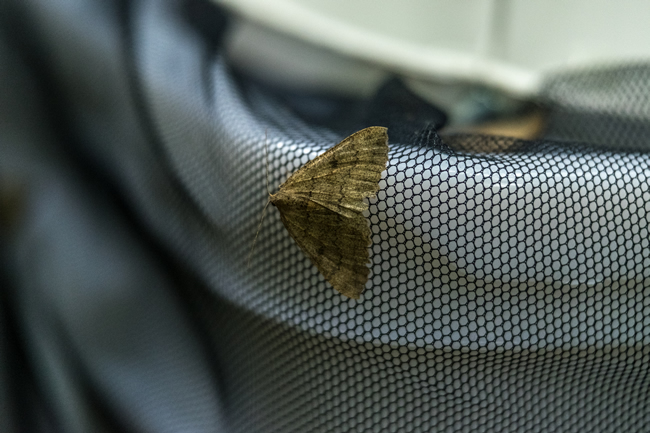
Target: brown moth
{"x":321,"y":206}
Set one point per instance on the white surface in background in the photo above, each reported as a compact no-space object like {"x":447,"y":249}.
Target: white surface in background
{"x":497,"y":42}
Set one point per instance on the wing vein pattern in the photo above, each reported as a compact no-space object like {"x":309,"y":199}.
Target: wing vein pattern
{"x":321,"y":207}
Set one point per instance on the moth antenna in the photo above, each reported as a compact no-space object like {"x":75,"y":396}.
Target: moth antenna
{"x":259,"y":226}
{"x":266,"y":150}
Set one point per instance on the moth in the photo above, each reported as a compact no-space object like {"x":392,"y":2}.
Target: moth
{"x":321,"y":207}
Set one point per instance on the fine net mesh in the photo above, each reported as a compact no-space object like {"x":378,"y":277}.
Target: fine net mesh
{"x":509,"y":278}
{"x":508,"y":291}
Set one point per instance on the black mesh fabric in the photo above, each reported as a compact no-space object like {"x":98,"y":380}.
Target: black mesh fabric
{"x":509,"y":287}
{"x":604,"y":105}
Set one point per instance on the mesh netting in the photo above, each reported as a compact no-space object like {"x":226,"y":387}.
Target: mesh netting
{"x":505,"y":287}
{"x":603,"y":106}
{"x":509,"y":286}
{"x":508,"y":292}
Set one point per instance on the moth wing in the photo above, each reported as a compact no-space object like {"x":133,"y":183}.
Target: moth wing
{"x":342,"y":177}
{"x":336,"y":244}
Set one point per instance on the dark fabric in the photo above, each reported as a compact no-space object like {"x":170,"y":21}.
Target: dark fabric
{"x":509,"y":286}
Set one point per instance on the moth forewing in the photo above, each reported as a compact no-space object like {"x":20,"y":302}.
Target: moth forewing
{"x":321,"y":207}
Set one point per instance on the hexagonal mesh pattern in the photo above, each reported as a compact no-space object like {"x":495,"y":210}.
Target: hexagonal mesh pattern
{"x":508,"y":290}
{"x":509,"y":286}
